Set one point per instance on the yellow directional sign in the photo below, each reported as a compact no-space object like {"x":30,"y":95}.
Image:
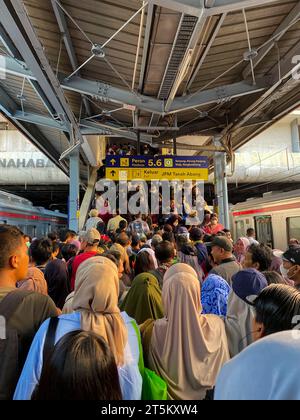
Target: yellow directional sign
{"x":156,"y":174}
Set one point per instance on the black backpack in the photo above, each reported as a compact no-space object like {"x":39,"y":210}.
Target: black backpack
{"x":10,"y":360}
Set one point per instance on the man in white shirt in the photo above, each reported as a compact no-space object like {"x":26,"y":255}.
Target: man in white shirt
{"x":251,"y":236}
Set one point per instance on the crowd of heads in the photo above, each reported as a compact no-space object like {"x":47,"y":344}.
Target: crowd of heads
{"x":155,"y":270}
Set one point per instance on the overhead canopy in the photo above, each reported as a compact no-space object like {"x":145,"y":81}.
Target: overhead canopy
{"x":75,"y":68}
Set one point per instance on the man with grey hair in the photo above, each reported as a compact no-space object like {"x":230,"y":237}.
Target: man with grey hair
{"x":157,"y":239}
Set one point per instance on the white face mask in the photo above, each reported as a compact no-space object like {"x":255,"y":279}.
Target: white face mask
{"x":284,"y":271}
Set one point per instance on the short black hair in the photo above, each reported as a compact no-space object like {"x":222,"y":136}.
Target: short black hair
{"x":81,"y":367}
{"x":69,"y":251}
{"x":165,"y":252}
{"x":250,"y":231}
{"x":41,"y":251}
{"x":276,"y":307}
{"x":262,"y":255}
{"x":53,"y":236}
{"x":135,"y":240}
{"x":55,"y":246}
{"x":65,"y":234}
{"x":11,"y":238}
{"x":169,"y":237}
{"x":123,"y":224}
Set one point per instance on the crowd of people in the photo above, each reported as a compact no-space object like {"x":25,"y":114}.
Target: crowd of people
{"x":211,"y":317}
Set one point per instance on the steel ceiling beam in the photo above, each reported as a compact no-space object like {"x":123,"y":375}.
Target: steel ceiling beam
{"x":217,"y":95}
{"x":7,"y":105}
{"x":193,"y":7}
{"x":146,"y":48}
{"x":64,"y":30}
{"x":9,"y":109}
{"x":288,"y":69}
{"x":14,"y":53}
{"x":190,"y":7}
{"x":21,"y":43}
{"x":292,"y":17}
{"x":106,"y":92}
{"x":86,"y":126}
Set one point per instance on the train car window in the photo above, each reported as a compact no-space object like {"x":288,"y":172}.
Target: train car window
{"x":293,"y":228}
{"x":264,"y":230}
{"x":240,"y":228}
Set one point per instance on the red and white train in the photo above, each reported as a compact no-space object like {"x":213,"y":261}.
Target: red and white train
{"x":275,"y":218}
{"x":33,"y":221}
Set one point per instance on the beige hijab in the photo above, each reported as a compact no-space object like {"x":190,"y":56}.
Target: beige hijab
{"x":96,"y":297}
{"x":187,"y":349}
{"x":34,"y":282}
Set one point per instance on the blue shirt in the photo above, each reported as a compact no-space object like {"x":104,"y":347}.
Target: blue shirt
{"x":129,"y":375}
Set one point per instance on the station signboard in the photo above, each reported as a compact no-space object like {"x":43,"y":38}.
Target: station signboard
{"x":151,"y":168}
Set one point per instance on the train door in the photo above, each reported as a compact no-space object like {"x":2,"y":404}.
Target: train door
{"x":264,"y":230}
{"x":293,"y":228}
{"x":239,"y":229}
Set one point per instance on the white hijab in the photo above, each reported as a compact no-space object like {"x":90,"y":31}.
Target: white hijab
{"x":267,"y":370}
{"x":152,"y":255}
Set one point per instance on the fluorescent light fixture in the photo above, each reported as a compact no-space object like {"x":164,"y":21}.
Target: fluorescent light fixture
{"x":71,"y":150}
{"x":180,"y":77}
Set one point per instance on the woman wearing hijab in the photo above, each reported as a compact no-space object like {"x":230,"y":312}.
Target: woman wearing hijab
{"x":56,"y":275}
{"x":185,"y":348}
{"x":145,"y":261}
{"x":266,"y":370}
{"x":95,"y":305}
{"x":240,"y":249}
{"x":214,"y":295}
{"x":34,"y":282}
{"x":239,"y":320}
{"x":143,"y":301}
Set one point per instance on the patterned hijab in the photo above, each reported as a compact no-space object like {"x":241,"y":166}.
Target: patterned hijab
{"x":214,"y":295}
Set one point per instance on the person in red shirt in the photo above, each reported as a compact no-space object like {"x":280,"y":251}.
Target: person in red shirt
{"x":214,"y":227}
{"x":89,"y":244}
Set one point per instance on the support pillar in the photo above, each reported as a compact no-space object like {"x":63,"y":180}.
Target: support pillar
{"x":74,"y":192}
{"x":295,"y":136}
{"x":221,"y":187}
{"x":175,"y":145}
{"x":138,"y":135}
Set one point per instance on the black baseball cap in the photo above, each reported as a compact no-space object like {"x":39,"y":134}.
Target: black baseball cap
{"x":292,"y":255}
{"x":222,"y":242}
